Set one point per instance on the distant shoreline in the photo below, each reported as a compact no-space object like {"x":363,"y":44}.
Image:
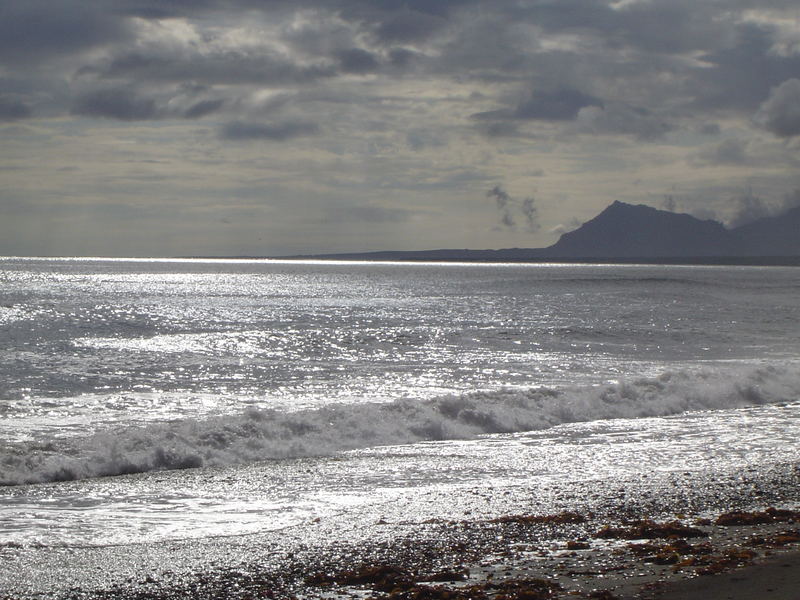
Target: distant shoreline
{"x":419,"y":257}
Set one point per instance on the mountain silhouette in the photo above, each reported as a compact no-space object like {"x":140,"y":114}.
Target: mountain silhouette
{"x":626,"y":232}
{"x":771,"y":236}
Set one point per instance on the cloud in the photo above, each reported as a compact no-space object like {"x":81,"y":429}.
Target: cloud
{"x":39,"y":29}
{"x":736,"y":75}
{"x":203,"y":108}
{"x":368,"y":214}
{"x":418,"y":139}
{"x":531,"y":214}
{"x":498,"y":129}
{"x":731,"y":151}
{"x":622,"y":119}
{"x":115,"y":103}
{"x":13,"y":110}
{"x":509,"y":207}
{"x":503,"y":202}
{"x":560,"y":105}
{"x":357,"y":61}
{"x":563,"y":228}
{"x":668,"y":203}
{"x":277,"y":132}
{"x":213,"y":66}
{"x":406,"y":26}
{"x":780,"y":113}
{"x":748,"y":207}
{"x":708,"y":129}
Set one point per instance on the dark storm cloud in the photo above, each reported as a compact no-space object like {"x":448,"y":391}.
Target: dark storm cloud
{"x":277,"y":132}
{"x":13,"y":110}
{"x":120,"y":104}
{"x":455,"y":40}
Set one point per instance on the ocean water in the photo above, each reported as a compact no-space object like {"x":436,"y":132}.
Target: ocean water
{"x":154,"y":401}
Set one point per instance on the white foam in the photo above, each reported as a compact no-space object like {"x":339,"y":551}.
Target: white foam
{"x":256,"y":435}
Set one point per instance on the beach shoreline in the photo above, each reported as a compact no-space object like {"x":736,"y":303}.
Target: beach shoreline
{"x":738,"y":556}
{"x":735,"y":556}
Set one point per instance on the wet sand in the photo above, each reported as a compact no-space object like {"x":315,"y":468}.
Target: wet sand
{"x":775,"y":578}
{"x":529,"y":556}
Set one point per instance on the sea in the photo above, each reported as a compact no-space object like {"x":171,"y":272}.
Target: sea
{"x":153,"y":403}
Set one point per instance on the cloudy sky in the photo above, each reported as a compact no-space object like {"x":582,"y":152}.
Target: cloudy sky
{"x":247,"y":127}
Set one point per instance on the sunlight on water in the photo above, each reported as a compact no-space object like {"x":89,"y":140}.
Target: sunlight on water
{"x":232,"y":397}
{"x":268,"y":496}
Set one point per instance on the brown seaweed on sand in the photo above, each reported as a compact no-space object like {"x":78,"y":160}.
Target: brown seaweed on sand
{"x":648,"y":530}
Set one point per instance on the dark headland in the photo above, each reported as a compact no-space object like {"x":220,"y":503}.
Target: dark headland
{"x":626,"y":233}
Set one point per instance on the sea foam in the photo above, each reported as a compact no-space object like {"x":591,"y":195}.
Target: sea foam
{"x":256,"y":435}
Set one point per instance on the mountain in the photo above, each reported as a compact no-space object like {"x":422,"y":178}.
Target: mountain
{"x":631,"y":233}
{"x":771,"y":236}
{"x":624,"y":230}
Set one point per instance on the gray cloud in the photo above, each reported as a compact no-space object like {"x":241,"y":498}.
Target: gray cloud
{"x":559,"y":105}
{"x":739,"y":75}
{"x":504,"y":205}
{"x":376,"y":84}
{"x":509,"y":207}
{"x":203,"y":108}
{"x":498,"y":128}
{"x":563,"y":228}
{"x":37,"y":29}
{"x":749,"y":207}
{"x":618,"y":118}
{"x":708,"y":129}
{"x":780,"y":113}
{"x":278,"y":132}
{"x":732,"y":151}
{"x":212,"y":68}
{"x":531,"y":214}
{"x":368,"y":214}
{"x":357,"y":60}
{"x":406,"y":25}
{"x":115,"y":103}
{"x":13,"y":110}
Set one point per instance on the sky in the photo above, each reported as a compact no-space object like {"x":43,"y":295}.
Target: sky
{"x":276,"y":127}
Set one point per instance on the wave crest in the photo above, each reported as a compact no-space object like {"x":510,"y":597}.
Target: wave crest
{"x":256,"y":435}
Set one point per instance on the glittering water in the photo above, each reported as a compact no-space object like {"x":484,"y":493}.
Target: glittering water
{"x":233,"y":397}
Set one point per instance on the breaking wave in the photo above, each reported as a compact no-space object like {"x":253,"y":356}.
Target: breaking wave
{"x":256,"y":435}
